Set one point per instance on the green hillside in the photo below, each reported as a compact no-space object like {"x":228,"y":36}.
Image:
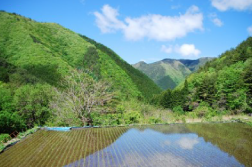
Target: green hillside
{"x":40,"y":64}
{"x":221,"y":86}
{"x":47,"y":51}
{"x":169,"y":73}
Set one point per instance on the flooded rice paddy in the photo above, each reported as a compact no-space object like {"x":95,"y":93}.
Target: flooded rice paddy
{"x":225,"y":144}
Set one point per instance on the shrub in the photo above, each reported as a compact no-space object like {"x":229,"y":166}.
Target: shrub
{"x":178,"y":110}
{"x":204,"y":110}
{"x":4,"y":137}
{"x":10,"y":122}
{"x":154,"y":120}
{"x":132,"y":117}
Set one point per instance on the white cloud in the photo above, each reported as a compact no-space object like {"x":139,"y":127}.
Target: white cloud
{"x":185,"y":50}
{"x":187,"y":143}
{"x":215,"y":19}
{"x":107,"y":20}
{"x":152,"y":26}
{"x":250,"y":30}
{"x":224,"y":5}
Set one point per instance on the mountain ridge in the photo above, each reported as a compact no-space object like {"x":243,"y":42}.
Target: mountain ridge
{"x":46,"y":52}
{"x":168,"y":73}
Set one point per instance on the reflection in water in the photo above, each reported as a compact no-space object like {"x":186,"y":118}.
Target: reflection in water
{"x":187,"y":142}
{"x":160,"y":145}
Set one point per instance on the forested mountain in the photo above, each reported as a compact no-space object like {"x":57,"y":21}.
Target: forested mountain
{"x":36,"y":58}
{"x":169,"y":73}
{"x":223,"y":85}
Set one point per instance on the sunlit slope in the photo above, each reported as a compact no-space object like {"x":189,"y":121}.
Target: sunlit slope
{"x":32,"y":52}
{"x":169,"y":73}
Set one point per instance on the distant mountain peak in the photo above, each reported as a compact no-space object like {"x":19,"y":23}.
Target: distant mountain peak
{"x":168,"y":73}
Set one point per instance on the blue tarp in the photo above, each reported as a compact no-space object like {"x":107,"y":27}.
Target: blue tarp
{"x":58,"y":128}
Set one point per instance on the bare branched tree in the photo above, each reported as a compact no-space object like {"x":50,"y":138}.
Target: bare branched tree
{"x":82,"y":96}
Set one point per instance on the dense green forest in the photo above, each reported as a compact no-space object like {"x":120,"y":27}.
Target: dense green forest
{"x":42,"y":62}
{"x":221,"y":86}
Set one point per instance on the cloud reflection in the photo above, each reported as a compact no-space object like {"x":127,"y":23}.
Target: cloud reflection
{"x":187,"y":143}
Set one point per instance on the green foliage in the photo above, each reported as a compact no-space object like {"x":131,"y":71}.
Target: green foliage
{"x":132,"y":117}
{"x":9,"y":122}
{"x":224,"y":84}
{"x":4,"y":137}
{"x":35,"y":58}
{"x":145,"y":85}
{"x":5,"y":98}
{"x":203,"y":110}
{"x":154,"y":120}
{"x":178,"y":110}
{"x":32,"y":103}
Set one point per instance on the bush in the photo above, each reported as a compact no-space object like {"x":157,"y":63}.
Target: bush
{"x":10,"y":122}
{"x":178,"y":110}
{"x":132,"y":117}
{"x":204,"y":110}
{"x":4,"y":137}
{"x":153,"y":120}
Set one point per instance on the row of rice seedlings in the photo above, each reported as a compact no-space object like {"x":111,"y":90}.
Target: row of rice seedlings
{"x":38,"y":151}
{"x":101,"y":146}
{"x":81,"y":157}
{"x":97,"y":147}
{"x":123,"y":151}
{"x":76,"y":147}
{"x":94,"y":157}
{"x":56,"y":152}
{"x":53,"y":153}
{"x":110,"y":149}
{"x":86,"y":152}
{"x":10,"y":155}
{"x":148,"y":146}
{"x":60,"y":148}
{"x":65,"y":151}
{"x":136,"y":147}
{"x":25,"y":152}
{"x":101,"y":154}
{"x":105,"y":152}
{"x":134,"y":157}
{"x":117,"y":154}
{"x":110,"y":157}
{"x":117,"y":149}
{"x":113,"y":153}
{"x":44,"y":156}
{"x":71,"y":150}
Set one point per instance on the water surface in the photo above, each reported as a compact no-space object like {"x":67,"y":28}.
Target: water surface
{"x":226,"y":144}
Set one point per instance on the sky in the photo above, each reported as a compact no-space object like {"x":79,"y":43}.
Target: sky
{"x":148,"y":30}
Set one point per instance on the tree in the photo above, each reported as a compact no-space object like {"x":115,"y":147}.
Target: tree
{"x":32,"y":103}
{"x":82,"y":96}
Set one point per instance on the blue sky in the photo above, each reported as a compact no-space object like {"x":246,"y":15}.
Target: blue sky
{"x":148,"y":30}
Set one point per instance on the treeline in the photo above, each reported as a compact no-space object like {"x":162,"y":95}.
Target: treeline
{"x":221,"y":86}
